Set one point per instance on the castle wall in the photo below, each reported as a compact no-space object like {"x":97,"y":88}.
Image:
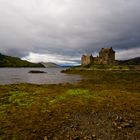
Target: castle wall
{"x":97,"y":60}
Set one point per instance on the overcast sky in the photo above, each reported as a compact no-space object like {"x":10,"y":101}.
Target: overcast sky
{"x":62,"y":30}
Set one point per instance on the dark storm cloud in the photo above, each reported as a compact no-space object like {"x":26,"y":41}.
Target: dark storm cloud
{"x":68,"y":28}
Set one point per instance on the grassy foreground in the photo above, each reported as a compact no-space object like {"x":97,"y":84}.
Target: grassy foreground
{"x":103,"y":107}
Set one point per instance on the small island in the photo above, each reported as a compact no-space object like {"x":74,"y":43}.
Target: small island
{"x":37,"y":71}
{"x":105,"y":61}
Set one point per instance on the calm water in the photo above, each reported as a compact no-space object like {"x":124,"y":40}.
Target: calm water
{"x":21,"y":75}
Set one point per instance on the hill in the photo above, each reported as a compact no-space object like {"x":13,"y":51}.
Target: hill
{"x":9,"y":61}
{"x":50,"y":65}
{"x":133,"y":61}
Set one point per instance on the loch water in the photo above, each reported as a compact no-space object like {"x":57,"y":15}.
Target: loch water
{"x":22,"y":75}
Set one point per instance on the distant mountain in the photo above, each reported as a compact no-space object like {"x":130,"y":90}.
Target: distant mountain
{"x":133,"y":61}
{"x":9,"y":61}
{"x":50,"y":65}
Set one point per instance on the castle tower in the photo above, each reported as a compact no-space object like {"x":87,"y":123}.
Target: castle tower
{"x":86,"y":59}
{"x":107,"y":56}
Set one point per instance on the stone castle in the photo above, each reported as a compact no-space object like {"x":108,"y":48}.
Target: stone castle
{"x":106,"y":56}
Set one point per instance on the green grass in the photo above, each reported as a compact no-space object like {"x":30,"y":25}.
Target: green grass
{"x":19,"y":98}
{"x":101,"y":67}
{"x":80,"y":93}
{"x":77,"y":92}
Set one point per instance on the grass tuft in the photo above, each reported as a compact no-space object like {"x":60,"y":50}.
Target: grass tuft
{"x":19,"y":98}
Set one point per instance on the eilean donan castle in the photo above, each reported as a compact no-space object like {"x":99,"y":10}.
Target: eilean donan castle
{"x":106,"y":56}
